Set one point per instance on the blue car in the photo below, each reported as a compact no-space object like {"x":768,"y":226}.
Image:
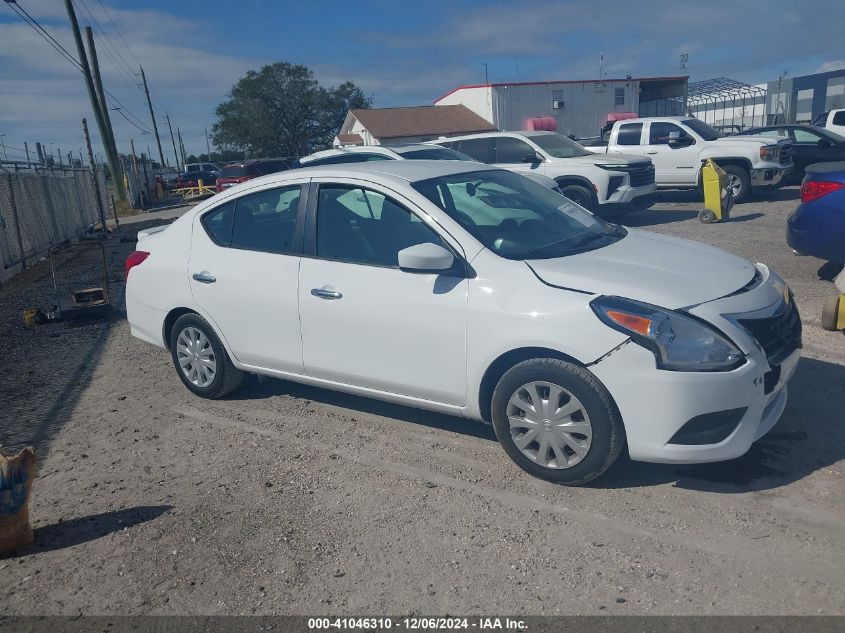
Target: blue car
{"x":817,"y":226}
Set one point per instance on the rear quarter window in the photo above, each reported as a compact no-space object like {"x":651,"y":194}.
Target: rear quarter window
{"x":218,"y":223}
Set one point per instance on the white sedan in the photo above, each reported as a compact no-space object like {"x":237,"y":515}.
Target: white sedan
{"x":470,"y":290}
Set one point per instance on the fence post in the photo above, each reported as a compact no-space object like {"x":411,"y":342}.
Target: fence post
{"x":15,"y":216}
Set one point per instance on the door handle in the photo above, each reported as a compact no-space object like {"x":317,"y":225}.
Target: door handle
{"x":204,"y":277}
{"x":651,"y":152}
{"x":325,"y":294}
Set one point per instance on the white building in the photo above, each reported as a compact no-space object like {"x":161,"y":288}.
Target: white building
{"x":581,"y":108}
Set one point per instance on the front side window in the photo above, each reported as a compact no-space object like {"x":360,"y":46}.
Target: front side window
{"x":839,"y":118}
{"x":513,"y":150}
{"x":659,"y":132}
{"x":518,"y":218}
{"x":363,"y":226}
{"x":265,"y":221}
{"x":559,"y":146}
{"x":629,"y":134}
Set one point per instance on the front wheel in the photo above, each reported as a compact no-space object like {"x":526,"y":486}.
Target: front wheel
{"x":200,"y":358}
{"x":579,"y":195}
{"x":739,"y":182}
{"x":557,"y":421}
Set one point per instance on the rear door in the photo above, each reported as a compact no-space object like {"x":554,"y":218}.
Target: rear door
{"x":673,"y":165}
{"x":244,"y":274}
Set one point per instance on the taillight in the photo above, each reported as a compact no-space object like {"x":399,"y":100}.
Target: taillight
{"x":815,"y":189}
{"x":135,"y":258}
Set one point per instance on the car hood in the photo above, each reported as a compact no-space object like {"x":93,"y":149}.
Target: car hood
{"x":657,"y":269}
{"x":606,"y":159}
{"x":752,"y":138}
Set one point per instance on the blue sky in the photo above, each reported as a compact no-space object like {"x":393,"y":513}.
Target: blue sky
{"x":402,"y":53}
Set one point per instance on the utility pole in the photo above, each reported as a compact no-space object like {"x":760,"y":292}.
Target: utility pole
{"x":207,"y":147}
{"x":94,"y":173}
{"x":172,"y":140}
{"x":181,"y":145}
{"x":98,"y":88}
{"x":111,"y":152}
{"x":26,"y":149}
{"x":5,"y":157}
{"x":40,"y":153}
{"x":59,"y":152}
{"x":152,"y":116}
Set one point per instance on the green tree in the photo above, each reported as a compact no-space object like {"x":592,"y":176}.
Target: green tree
{"x":281,"y":110}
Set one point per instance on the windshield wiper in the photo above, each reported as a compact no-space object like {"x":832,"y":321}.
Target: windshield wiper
{"x":580,"y":242}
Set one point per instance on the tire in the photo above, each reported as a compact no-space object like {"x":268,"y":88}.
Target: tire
{"x":707,"y":216}
{"x":743,"y":191}
{"x":579,"y":195}
{"x":199,"y":338}
{"x":595,"y":420}
{"x":830,"y":313}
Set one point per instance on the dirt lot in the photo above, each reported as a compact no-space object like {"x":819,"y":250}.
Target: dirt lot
{"x":289,"y":499}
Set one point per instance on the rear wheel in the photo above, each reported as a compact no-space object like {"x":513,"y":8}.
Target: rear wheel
{"x":200,"y":358}
{"x":578,"y":195}
{"x":557,"y":421}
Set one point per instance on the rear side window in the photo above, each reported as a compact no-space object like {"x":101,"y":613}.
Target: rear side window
{"x":234,"y":171}
{"x":839,"y":118}
{"x":265,"y":221}
{"x":477,"y":148}
{"x":629,"y":134}
{"x":218,"y":223}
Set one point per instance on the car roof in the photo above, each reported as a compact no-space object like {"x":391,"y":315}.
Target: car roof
{"x":340,"y":151}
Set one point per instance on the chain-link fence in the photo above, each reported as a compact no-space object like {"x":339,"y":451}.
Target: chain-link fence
{"x":42,"y":208}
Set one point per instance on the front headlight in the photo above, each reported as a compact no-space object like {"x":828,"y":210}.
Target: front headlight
{"x":679,"y":341}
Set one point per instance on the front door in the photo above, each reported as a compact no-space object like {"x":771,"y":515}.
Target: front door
{"x":673,"y":165}
{"x":367,"y":323}
{"x":244,"y":274}
{"x":516,"y":155}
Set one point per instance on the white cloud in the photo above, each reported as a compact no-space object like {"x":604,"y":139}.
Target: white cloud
{"x":838,"y":64}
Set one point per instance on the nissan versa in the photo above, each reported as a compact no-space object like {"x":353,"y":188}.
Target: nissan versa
{"x":474,"y":291}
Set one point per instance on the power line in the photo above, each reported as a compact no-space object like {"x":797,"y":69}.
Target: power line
{"x":34,"y":24}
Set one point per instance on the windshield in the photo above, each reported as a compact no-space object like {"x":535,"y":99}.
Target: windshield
{"x":435,"y":153}
{"x":517,"y":218}
{"x":702,"y":129}
{"x":559,"y":146}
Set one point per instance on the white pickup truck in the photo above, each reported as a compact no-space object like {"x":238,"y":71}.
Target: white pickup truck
{"x":609,"y":186}
{"x":678,"y":145}
{"x":833,"y":120}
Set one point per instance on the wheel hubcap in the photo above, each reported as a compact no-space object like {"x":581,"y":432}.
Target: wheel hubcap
{"x":549,"y":425}
{"x":196,"y":357}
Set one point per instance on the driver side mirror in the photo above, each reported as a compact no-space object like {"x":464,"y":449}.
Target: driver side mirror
{"x":824,"y":142}
{"x":425,"y":258}
{"x":532,"y":158}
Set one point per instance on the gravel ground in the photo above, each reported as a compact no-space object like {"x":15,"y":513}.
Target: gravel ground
{"x":289,"y":499}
